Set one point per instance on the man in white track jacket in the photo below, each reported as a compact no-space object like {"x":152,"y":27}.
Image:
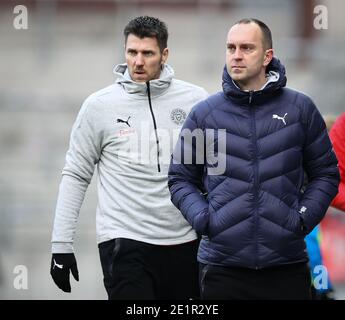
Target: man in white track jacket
{"x":127,"y":131}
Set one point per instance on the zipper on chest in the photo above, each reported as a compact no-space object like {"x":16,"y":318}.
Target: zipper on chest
{"x":255,"y":190}
{"x":154,"y":124}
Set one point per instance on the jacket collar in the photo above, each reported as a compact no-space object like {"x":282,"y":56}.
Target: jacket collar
{"x":157,"y":86}
{"x":276,"y":81}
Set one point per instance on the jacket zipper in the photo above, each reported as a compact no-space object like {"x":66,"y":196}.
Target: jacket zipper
{"x":154,"y":124}
{"x":255,"y":187}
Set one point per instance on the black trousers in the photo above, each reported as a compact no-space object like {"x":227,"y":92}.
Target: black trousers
{"x":288,"y":282}
{"x":138,"y":270}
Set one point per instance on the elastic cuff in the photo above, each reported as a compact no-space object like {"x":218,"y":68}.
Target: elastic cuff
{"x":62,"y":247}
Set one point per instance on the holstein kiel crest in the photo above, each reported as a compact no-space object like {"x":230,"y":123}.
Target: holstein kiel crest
{"x":178,"y":116}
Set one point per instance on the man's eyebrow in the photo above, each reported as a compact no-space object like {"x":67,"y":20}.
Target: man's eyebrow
{"x":143,"y":51}
{"x":250,"y":45}
{"x":241,"y":44}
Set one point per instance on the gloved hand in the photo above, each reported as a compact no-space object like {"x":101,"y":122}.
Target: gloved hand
{"x":61,"y":265}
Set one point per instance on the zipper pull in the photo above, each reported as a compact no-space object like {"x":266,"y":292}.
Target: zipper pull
{"x":250,"y":96}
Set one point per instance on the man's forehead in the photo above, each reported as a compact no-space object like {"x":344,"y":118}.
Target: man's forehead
{"x":149,"y":43}
{"x":248,"y":32}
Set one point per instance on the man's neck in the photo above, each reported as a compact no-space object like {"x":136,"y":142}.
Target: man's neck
{"x":253,"y":86}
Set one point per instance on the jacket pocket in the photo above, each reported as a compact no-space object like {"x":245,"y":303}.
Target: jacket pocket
{"x":295,"y":223}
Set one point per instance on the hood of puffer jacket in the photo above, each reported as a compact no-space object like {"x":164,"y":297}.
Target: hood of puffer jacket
{"x":277,"y":80}
{"x":157,"y":86}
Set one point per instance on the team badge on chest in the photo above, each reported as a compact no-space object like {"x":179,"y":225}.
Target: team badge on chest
{"x":178,"y":116}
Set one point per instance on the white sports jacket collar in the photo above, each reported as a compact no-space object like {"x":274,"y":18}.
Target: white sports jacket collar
{"x":157,"y":86}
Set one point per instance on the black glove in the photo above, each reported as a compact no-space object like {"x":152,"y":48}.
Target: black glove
{"x":61,"y":264}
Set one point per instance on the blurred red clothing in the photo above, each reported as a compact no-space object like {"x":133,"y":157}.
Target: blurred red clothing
{"x":332,"y":244}
{"x":337,"y":135}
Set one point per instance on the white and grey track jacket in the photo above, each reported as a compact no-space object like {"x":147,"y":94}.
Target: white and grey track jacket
{"x":128,"y":131}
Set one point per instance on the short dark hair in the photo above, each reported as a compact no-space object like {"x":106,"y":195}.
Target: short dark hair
{"x":145,"y":26}
{"x":266,"y":32}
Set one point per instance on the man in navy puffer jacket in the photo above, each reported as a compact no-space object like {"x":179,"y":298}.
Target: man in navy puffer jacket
{"x":248,"y":206}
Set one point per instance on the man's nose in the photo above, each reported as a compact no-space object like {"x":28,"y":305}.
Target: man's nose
{"x":237,"y":54}
{"x":139,"y":60}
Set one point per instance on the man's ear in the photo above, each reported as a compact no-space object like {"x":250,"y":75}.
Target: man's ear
{"x":268,"y":57}
{"x":165,"y":54}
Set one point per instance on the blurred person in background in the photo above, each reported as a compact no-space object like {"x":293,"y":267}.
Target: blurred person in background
{"x":252,"y":216}
{"x":337,"y":135}
{"x":333,"y":226}
{"x":319,"y":291}
{"x":147,"y":249}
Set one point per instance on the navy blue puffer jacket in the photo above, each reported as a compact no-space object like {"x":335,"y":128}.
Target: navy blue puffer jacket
{"x":253,"y":214}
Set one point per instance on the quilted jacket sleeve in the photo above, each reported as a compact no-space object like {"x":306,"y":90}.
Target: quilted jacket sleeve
{"x":337,"y":135}
{"x":185,"y":175}
{"x":320,"y":164}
